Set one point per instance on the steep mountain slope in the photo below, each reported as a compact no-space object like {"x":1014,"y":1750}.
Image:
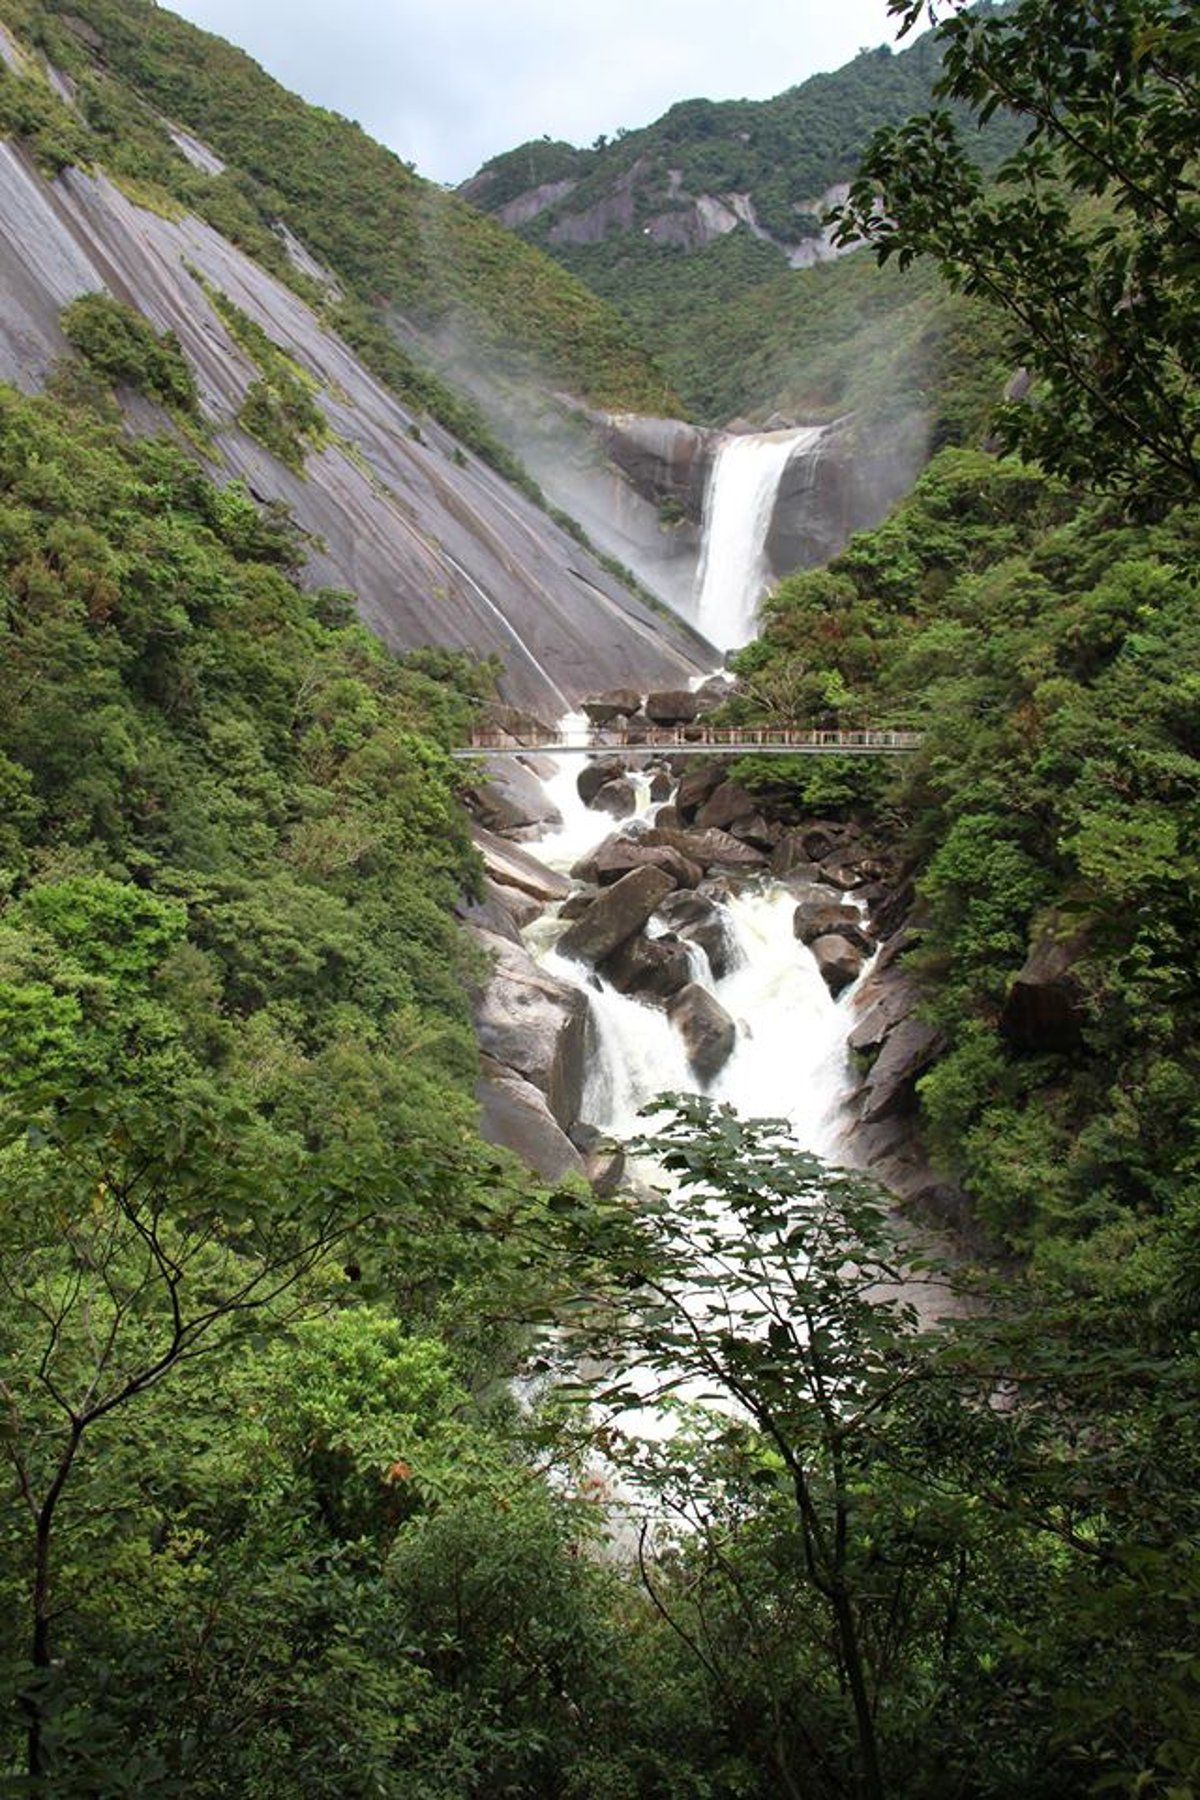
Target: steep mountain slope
{"x":691,"y":219}
{"x":436,"y":545}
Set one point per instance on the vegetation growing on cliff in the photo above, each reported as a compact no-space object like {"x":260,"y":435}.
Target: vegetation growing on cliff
{"x":273,"y":1525}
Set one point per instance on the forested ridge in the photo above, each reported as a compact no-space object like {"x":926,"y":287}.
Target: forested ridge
{"x":411,"y":258}
{"x":275,"y":1522}
{"x":740,"y":333}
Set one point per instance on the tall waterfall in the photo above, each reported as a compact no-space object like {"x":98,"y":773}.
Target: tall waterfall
{"x":742,"y":486}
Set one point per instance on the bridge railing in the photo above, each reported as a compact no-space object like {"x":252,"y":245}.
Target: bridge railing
{"x":696,"y":737}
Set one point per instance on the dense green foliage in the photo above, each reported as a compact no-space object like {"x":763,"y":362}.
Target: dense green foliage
{"x":1048,"y":649}
{"x":122,"y":347}
{"x":273,"y":1524}
{"x":1088,"y":243}
{"x":234,"y":1041}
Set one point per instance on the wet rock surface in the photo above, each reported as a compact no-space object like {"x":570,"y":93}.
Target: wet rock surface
{"x":706,"y":1028}
{"x":698,"y":919}
{"x":615,"y":914}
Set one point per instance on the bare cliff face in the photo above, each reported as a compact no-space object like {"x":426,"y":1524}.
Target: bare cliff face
{"x":437,"y":547}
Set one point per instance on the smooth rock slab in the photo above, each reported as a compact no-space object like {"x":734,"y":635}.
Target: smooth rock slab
{"x":534,"y":1024}
{"x":510,"y":867}
{"x":512,"y":801}
{"x":514,"y":1115}
{"x":890,"y":1087}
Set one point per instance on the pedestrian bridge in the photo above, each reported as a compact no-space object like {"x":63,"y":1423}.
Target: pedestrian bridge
{"x":698,"y":740}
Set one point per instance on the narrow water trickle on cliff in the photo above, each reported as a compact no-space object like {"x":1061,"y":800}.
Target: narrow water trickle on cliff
{"x":738,"y":506}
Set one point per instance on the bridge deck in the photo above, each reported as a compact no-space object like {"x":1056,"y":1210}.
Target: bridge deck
{"x":692,"y":740}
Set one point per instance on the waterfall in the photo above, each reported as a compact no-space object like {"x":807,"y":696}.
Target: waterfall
{"x":790,"y":1058}
{"x":738,"y":506}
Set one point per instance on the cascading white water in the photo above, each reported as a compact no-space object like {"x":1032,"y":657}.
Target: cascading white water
{"x":790,"y":1059}
{"x":738,"y":505}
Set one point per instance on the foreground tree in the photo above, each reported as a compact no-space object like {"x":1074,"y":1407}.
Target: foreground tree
{"x":1087,"y":241}
{"x":135,"y":1240}
{"x":954,"y":1561}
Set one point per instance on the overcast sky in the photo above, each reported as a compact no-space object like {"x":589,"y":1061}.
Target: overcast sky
{"x":448,"y":83}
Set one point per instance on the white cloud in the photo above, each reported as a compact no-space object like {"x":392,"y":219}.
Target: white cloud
{"x":449,"y":84}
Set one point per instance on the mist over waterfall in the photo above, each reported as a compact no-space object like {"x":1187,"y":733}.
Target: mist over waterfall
{"x":740,"y":500}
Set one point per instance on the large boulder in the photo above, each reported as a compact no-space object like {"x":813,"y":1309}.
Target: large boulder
{"x":617,"y":855}
{"x":510,"y":867}
{"x":1044,"y":1007}
{"x":816,"y":918}
{"x":615,"y":914}
{"x":617,"y":703}
{"x":727,"y":804}
{"x":697,"y":782}
{"x":529,"y":1021}
{"x":671,"y":706}
{"x":596,"y":773}
{"x":616,"y":798}
{"x":512,"y":801}
{"x":514,"y":1115}
{"x":840,"y":963}
{"x":712,"y":849}
{"x":707,"y":1030}
{"x":702,"y":921}
{"x":651,"y":968}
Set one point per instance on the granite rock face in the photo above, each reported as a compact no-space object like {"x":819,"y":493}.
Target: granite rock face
{"x":513,"y":1114}
{"x":615,"y":914}
{"x":436,"y":546}
{"x":707,"y":1030}
{"x":533,"y":1024}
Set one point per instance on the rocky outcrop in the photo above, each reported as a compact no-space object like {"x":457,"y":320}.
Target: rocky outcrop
{"x":664,"y":460}
{"x":615,"y":914}
{"x":706,"y":1029}
{"x":532,"y":1024}
{"x":528,"y":205}
{"x":514,"y":1115}
{"x":1044,"y":1007}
